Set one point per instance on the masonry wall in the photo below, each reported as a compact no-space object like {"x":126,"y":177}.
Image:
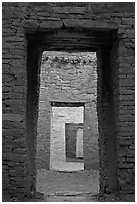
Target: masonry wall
{"x":67,"y":77}
{"x":22,"y":25}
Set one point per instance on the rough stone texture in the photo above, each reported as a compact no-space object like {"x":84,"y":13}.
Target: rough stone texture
{"x":23,"y":43}
{"x":68,"y":77}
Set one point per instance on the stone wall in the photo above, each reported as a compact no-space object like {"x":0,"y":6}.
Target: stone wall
{"x":98,"y":26}
{"x":67,"y":77}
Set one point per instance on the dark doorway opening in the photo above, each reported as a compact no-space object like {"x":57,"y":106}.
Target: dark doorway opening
{"x":74,"y":141}
{"x":105,"y":45}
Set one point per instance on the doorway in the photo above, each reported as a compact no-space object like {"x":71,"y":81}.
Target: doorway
{"x":67,"y":100}
{"x":64,"y":139}
{"x":103,"y":43}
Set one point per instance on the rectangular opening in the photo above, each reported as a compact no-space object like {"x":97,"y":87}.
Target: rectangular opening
{"x":64,"y":144}
{"x":74,"y":141}
{"x":68,"y":115}
{"x":66,"y":104}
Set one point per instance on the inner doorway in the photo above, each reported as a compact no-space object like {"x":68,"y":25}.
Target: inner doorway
{"x":68,"y":81}
{"x":67,"y":140}
{"x":66,"y":144}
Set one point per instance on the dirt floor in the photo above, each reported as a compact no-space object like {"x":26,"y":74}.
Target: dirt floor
{"x":80,"y":186}
{"x":69,"y":186}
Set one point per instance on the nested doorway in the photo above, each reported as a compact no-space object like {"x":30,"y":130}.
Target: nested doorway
{"x":65,"y":82}
{"x":65,"y":142}
{"x":105,"y":45}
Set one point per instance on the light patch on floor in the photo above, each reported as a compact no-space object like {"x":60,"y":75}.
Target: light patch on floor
{"x":65,"y":183}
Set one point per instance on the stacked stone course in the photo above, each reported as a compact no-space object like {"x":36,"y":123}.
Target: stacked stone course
{"x":23,"y":24}
{"x":126,"y":116}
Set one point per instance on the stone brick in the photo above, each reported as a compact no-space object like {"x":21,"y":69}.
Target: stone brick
{"x":130,"y":159}
{"x":70,"y":9}
{"x":89,"y":24}
{"x":51,"y":24}
{"x":126,"y":166}
{"x":14,"y":157}
{"x":31,"y":24}
{"x":13,"y":117}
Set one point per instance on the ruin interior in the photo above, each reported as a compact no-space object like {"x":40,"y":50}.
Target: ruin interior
{"x":39,"y":90}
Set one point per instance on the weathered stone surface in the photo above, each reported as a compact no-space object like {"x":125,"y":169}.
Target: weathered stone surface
{"x":51,"y":24}
{"x":31,"y":24}
{"x":90,"y":24}
{"x":70,"y":9}
{"x":13,"y":117}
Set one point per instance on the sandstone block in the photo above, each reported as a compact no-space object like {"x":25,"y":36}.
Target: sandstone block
{"x":13,"y":117}
{"x":14,"y":157}
{"x":89,"y":24}
{"x":50,"y":24}
{"x":125,"y":166}
{"x":70,"y":9}
{"x":31,"y":24}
